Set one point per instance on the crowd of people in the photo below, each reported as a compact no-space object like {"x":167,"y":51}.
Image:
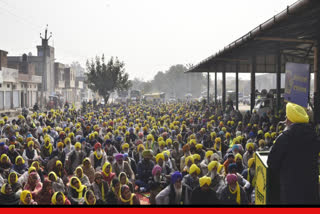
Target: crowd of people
{"x":171,"y":154}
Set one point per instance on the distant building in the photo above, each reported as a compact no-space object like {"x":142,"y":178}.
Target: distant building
{"x":18,"y":82}
{"x":42,"y":64}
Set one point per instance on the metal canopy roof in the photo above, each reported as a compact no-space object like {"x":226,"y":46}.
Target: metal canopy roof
{"x":292,"y":33}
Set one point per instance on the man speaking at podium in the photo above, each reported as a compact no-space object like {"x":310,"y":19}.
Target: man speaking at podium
{"x":293,"y":161}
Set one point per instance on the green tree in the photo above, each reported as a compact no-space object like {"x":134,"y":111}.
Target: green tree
{"x":106,"y":78}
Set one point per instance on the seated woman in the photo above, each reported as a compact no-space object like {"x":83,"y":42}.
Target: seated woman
{"x":76,"y":191}
{"x":125,"y":181}
{"x":57,"y":183}
{"x":127,"y":197}
{"x":26,"y":198}
{"x":114,"y":192}
{"x":100,"y":188}
{"x":5,"y":165}
{"x":107,"y":173}
{"x":23,"y":179}
{"x":82,"y":177}
{"x":89,"y":198}
{"x":34,"y":185}
{"x":20,"y":165}
{"x":88,"y":170}
{"x":60,"y":172}
{"x":13,"y":181}
{"x":59,"y":198}
{"x":7,"y":196}
{"x":36,"y":165}
{"x":45,"y":195}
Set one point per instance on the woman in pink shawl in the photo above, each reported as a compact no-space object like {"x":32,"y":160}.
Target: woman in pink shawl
{"x":33,"y":185}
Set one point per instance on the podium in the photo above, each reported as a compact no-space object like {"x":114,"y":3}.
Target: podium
{"x":262,"y":179}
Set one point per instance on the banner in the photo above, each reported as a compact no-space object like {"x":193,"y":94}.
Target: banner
{"x":297,"y":84}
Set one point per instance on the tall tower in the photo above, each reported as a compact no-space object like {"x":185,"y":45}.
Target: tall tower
{"x":47,"y":54}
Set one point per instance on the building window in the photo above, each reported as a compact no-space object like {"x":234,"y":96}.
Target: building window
{"x":8,"y":85}
{"x":0,"y":85}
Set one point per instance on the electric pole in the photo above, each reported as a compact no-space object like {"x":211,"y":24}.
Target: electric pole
{"x":45,"y":43}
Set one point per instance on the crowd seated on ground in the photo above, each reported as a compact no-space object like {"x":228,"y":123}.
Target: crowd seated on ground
{"x":166,"y":154}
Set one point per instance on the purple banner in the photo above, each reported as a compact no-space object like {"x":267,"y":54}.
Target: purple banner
{"x":297,"y":84}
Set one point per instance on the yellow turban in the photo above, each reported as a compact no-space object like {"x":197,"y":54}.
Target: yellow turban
{"x":212,"y":165}
{"x":204,"y":180}
{"x":249,"y":145}
{"x":209,"y":153}
{"x":267,"y":135}
{"x":193,"y":141}
{"x":196,"y":157}
{"x":78,"y":145}
{"x":140,"y":146}
{"x":60,"y":144}
{"x":125,"y":146}
{"x":150,"y":137}
{"x":194,"y":168}
{"x":30,"y":143}
{"x":213,"y":134}
{"x":238,"y":156}
{"x":189,"y":158}
{"x":168,"y":141}
{"x":162,"y":143}
{"x":296,"y":113}
{"x":199,"y":146}
{"x":158,"y":156}
{"x":67,"y":140}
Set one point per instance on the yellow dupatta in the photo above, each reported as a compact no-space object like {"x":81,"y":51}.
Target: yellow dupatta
{"x":236,"y":191}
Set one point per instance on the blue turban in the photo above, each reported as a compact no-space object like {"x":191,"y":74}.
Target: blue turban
{"x":82,"y":140}
{"x":251,"y":134}
{"x":234,"y":147}
{"x":108,"y":141}
{"x":221,"y":133}
{"x":125,"y":155}
{"x":2,"y":144}
{"x":176,"y":176}
{"x":231,"y":167}
{"x":118,"y":138}
{"x":29,"y":135}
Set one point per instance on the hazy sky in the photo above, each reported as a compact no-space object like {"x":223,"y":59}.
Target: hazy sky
{"x":148,"y":35}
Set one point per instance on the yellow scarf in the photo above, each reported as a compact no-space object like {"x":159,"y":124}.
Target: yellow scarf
{"x":54,"y":198}
{"x":16,"y":180}
{"x":105,"y":165}
{"x":95,"y":154}
{"x":23,"y":196}
{"x":87,"y":202}
{"x":49,"y":147}
{"x":237,"y":190}
{"x":215,"y":146}
{"x":81,"y":187}
{"x":130,"y":199}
